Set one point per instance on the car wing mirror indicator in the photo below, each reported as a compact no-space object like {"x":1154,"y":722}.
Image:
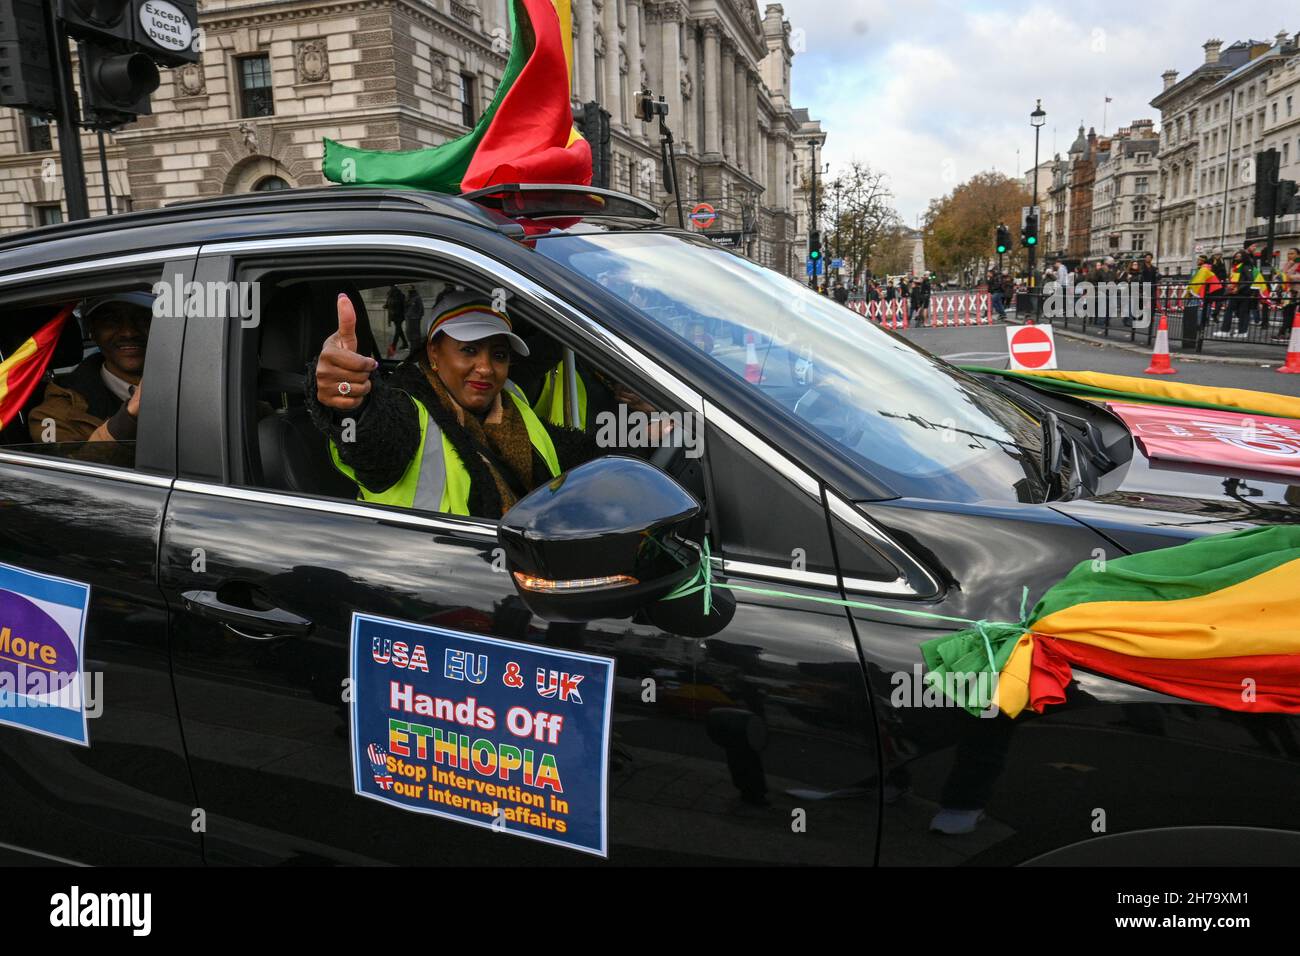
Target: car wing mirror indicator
{"x":608,"y":539}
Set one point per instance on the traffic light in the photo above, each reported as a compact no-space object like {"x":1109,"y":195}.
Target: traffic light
{"x":107,"y":22}
{"x":1004,"y":239}
{"x":814,"y":245}
{"x":1029,"y":231}
{"x":26,"y":80}
{"x":122,"y":43}
{"x":115,"y":87}
{"x":593,"y":122}
{"x":1267,"y":167}
{"x":1286,"y":193}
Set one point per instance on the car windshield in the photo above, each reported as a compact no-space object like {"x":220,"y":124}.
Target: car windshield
{"x":917,"y":424}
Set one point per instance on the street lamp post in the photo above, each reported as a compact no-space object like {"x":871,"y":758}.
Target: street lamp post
{"x":1036,"y":120}
{"x":813,"y":211}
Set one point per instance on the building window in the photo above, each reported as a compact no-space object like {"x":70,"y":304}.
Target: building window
{"x":1140,"y":185}
{"x":468,"y":99}
{"x":1288,"y":106}
{"x":1143,"y":158}
{"x":270,"y":184}
{"x":1138,"y":242}
{"x":38,"y":133}
{"x":47,"y":214}
{"x":255,"y":86}
{"x":1139,"y":212}
{"x":1286,"y":153}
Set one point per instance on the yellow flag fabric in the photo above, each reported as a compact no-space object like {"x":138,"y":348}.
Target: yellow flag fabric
{"x":1261,"y":403}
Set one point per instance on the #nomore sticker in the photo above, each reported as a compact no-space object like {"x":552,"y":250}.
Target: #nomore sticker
{"x":482,"y":731}
{"x":42,"y":632}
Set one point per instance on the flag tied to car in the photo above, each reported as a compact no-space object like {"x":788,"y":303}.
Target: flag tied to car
{"x":1215,"y":621}
{"x":21,"y":372}
{"x":526,"y":135}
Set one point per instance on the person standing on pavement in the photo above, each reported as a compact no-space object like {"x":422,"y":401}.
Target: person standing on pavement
{"x":414,"y":314}
{"x":395,"y":314}
{"x":1150,"y":281}
{"x":1215,"y":297}
{"x":1289,"y":291}
{"x":1238,"y":299}
{"x":917,"y":316}
{"x":841,"y":294}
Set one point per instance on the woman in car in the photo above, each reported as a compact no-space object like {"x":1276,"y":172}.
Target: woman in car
{"x":447,"y":431}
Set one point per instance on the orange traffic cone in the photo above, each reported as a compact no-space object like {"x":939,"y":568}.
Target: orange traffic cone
{"x":752,"y":372}
{"x":1292,"y":365}
{"x":1160,"y":364}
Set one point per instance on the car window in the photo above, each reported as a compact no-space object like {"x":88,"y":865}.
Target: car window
{"x":285,"y":446}
{"x":76,"y":383}
{"x":920,"y":426}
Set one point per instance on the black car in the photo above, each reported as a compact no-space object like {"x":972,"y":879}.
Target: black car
{"x":222,"y":590}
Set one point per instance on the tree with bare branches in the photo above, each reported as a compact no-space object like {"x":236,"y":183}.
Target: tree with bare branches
{"x":860,"y":221}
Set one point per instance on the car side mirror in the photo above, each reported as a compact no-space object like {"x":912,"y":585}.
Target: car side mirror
{"x":603,"y":540}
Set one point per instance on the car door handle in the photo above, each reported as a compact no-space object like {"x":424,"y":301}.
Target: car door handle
{"x":256,"y":625}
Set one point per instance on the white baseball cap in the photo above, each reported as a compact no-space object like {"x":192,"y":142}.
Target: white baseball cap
{"x":467,"y":317}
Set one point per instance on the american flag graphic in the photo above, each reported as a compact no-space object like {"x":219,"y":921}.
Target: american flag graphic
{"x":379,"y":766}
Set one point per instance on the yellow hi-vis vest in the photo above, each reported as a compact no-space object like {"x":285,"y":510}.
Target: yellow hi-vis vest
{"x":436,"y":478}
{"x":550,"y":404}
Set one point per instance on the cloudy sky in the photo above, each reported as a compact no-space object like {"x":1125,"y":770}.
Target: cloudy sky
{"x":933,"y":91}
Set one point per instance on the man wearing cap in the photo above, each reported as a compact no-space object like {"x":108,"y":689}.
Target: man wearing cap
{"x":447,"y":431}
{"x":99,"y":400}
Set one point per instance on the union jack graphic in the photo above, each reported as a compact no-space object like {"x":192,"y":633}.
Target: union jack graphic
{"x":379,"y":767}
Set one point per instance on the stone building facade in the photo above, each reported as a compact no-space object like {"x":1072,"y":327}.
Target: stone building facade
{"x":1124,"y":193}
{"x":276,"y":77}
{"x":1214,"y":121}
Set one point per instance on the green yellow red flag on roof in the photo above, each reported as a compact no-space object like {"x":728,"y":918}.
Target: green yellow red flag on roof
{"x":526,"y":135}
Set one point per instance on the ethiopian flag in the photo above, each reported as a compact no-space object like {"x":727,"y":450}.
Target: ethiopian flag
{"x":21,"y":372}
{"x":526,"y":135}
{"x":1216,"y":621}
{"x":1260,"y":285}
{"x":1205,"y":282}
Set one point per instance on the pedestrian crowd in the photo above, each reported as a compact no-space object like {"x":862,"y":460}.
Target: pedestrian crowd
{"x":1238,"y":294}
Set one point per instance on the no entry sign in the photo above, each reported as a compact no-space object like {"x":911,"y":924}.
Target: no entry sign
{"x":1031,"y":347}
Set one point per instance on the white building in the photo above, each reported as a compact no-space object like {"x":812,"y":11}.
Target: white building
{"x":1214,"y":123}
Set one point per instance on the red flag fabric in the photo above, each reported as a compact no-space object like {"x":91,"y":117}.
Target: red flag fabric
{"x":531,"y":139}
{"x":21,"y":372}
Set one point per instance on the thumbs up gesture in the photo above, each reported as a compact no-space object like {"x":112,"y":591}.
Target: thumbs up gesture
{"x":343,"y":374}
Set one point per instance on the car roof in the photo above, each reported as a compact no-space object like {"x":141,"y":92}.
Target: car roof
{"x":282,"y":212}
